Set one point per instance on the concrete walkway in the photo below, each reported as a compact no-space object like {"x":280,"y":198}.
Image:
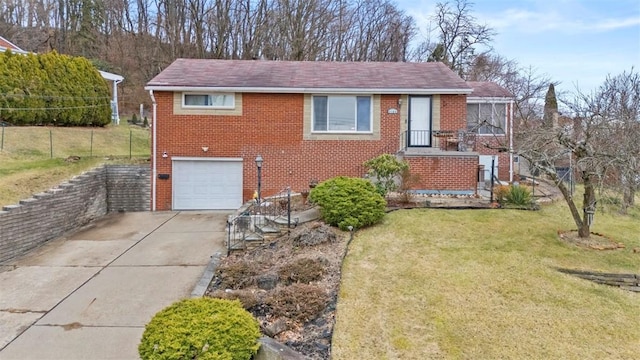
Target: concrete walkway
{"x":89,"y":295}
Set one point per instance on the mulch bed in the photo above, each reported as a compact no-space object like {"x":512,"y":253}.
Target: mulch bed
{"x":290,"y":285}
{"x":595,"y":241}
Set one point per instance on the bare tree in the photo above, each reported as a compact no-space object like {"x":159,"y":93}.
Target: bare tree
{"x":610,"y":112}
{"x":618,"y":103}
{"x":459,"y":35}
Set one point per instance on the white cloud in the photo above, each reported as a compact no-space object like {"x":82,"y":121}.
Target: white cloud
{"x":527,"y":21}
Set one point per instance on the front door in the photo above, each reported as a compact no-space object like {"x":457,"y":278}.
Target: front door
{"x":419,"y":121}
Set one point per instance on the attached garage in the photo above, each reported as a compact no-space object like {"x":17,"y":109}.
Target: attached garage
{"x":206,"y":183}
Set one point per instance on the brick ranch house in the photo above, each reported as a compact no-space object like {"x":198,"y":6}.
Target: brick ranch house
{"x":316,"y":120}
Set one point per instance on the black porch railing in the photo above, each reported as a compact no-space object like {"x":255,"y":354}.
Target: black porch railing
{"x":447,"y":140}
{"x":257,"y":221}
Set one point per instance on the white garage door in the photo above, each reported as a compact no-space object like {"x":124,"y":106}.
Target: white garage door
{"x":207,"y":183}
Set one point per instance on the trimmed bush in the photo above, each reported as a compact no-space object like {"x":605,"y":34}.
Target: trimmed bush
{"x":384,"y":170}
{"x":201,"y":328}
{"x":348,"y":202}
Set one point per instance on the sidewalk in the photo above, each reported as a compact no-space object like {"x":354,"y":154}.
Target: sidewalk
{"x":89,"y":295}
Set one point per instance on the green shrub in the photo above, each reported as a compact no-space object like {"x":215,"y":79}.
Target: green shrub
{"x":518,"y":195}
{"x":348,"y":202}
{"x":145,"y":123}
{"x":56,"y":89}
{"x":202,"y":328}
{"x":134,"y":118}
{"x":384,"y":170}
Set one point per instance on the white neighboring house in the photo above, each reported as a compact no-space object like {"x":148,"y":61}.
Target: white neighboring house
{"x":114,"y":78}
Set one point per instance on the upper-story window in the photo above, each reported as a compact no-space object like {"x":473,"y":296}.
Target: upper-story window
{"x":487,"y":118}
{"x":342,"y":113}
{"x":210,"y":101}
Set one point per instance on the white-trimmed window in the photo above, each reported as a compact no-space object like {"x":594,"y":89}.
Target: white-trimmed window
{"x":209,"y":101}
{"x":487,"y":118}
{"x":342,"y":113}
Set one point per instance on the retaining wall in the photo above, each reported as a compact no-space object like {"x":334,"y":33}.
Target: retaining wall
{"x":72,"y":204}
{"x":128,"y":188}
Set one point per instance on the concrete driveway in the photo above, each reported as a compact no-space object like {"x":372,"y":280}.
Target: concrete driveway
{"x":88,"y":295}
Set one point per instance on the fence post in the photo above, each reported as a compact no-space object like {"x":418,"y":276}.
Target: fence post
{"x":2,"y":141}
{"x":91,"y":146}
{"x":130,"y":142}
{"x":51,"y":143}
{"x":493,"y":166}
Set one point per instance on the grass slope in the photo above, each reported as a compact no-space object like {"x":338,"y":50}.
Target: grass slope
{"x":26,"y":166}
{"x":465,"y":284}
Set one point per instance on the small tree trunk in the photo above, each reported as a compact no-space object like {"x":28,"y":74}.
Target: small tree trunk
{"x":588,"y":204}
{"x":628,"y":198}
{"x":575,"y":213}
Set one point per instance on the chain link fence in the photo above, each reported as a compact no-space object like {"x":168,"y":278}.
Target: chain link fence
{"x":61,"y":142}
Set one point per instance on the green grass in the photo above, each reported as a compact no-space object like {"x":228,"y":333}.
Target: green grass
{"x":27,"y":167}
{"x":481,"y":284}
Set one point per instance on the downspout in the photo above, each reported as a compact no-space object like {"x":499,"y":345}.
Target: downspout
{"x":511,"y":141}
{"x":115,"y":100}
{"x":154,"y":150}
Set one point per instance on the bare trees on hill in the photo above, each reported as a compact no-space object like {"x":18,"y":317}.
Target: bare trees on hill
{"x":138,"y":38}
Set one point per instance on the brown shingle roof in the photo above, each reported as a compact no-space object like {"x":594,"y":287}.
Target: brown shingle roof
{"x":488,"y":89}
{"x":308,"y":75}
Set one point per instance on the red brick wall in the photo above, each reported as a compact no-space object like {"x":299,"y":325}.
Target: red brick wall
{"x":453,"y":112}
{"x":272,"y":125}
{"x":444,"y":172}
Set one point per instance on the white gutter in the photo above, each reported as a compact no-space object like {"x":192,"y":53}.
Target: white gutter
{"x":307,"y":90}
{"x":511,"y":141}
{"x":154,"y":149}
{"x":480,"y":99}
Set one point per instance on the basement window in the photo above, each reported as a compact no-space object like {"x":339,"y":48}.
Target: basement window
{"x":208,"y":101}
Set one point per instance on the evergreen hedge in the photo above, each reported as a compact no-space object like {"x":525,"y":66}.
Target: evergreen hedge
{"x":52,"y":89}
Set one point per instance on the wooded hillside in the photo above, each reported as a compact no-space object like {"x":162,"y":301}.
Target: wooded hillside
{"x":138,"y":38}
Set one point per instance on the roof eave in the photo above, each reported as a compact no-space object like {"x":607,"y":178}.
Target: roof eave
{"x":308,"y":90}
{"x":504,"y":99}
{"x":111,"y":76}
{"x":15,"y":51}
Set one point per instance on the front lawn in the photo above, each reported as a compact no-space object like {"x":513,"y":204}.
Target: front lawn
{"x":481,"y":284}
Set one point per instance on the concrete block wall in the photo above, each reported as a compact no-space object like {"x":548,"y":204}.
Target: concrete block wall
{"x":128,"y":188}
{"x":70,"y":205}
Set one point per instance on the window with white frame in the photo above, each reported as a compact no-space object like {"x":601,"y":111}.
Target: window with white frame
{"x":342,"y":113}
{"x":213,"y":101}
{"x":486,"y":118}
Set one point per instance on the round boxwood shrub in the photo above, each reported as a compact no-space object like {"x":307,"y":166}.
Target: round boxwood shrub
{"x":346,"y":201}
{"x":202,"y":328}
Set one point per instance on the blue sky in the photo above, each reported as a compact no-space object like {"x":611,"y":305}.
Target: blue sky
{"x":576,"y":42}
